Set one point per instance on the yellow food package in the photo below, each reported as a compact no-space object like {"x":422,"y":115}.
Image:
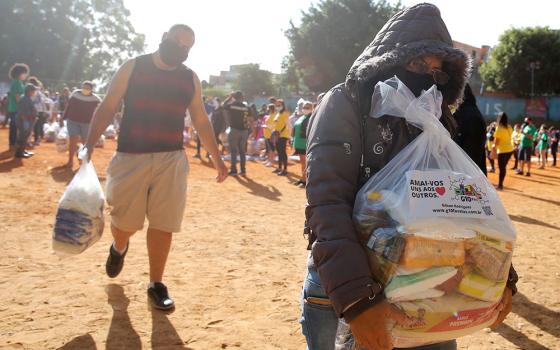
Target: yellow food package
{"x":424,"y":252}
{"x":479,"y":287}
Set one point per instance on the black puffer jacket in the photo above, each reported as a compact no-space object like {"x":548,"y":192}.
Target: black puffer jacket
{"x":471,"y":129}
{"x":344,"y":147}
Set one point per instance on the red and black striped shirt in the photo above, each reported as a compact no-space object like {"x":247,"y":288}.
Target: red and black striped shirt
{"x":155,"y":104}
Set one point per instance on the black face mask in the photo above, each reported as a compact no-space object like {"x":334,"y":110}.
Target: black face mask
{"x":171,"y":53}
{"x":416,"y":82}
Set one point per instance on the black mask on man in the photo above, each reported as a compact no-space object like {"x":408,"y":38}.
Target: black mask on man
{"x":171,"y":53}
{"x":416,"y":82}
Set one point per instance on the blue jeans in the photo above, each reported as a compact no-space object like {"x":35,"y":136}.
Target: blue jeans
{"x":238,"y":146}
{"x":320,"y":323}
{"x":13,"y":128}
{"x":77,"y":129}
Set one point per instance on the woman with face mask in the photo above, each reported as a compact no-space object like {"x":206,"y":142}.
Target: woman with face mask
{"x":281,"y":134}
{"x":299,"y":135}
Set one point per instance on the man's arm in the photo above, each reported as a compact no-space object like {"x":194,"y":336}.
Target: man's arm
{"x":201,"y":123}
{"x":106,"y":110}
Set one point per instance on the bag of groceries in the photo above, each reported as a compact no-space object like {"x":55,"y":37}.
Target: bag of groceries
{"x":79,"y":218}
{"x":436,"y":233}
{"x":62,"y":140}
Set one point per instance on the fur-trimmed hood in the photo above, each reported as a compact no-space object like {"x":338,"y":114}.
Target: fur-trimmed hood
{"x":413,"y":32}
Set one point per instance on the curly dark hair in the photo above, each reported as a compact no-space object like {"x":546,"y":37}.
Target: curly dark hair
{"x":18,"y":69}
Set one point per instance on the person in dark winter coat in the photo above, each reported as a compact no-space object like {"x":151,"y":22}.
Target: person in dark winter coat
{"x":344,"y":149}
{"x":471,"y":129}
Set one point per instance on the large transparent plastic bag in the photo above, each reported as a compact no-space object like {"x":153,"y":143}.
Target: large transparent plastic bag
{"x":79,"y":219}
{"x":436,"y":233}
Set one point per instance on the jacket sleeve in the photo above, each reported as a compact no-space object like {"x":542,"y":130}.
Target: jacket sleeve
{"x":333,"y":163}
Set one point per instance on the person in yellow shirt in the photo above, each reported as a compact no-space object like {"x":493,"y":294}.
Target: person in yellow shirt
{"x":280,"y":136}
{"x":516,"y":141}
{"x":503,"y":146}
{"x":267,"y":133}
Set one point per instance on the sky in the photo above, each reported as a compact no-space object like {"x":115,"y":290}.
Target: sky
{"x":252,"y":31}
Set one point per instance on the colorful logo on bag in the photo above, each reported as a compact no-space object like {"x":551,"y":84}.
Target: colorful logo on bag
{"x":466,"y":192}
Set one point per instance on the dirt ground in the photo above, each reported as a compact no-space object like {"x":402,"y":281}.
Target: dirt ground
{"x":235,"y":271}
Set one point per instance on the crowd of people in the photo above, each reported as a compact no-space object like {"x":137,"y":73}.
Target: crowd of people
{"x":34,"y":115}
{"x":269,"y":134}
{"x":523,"y":142}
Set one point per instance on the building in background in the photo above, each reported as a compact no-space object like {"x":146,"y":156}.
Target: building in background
{"x":479,"y":55}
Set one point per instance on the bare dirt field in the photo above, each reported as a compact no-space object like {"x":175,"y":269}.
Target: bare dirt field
{"x":235,"y":271}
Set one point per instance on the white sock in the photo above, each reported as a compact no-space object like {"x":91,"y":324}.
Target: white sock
{"x":121,"y":252}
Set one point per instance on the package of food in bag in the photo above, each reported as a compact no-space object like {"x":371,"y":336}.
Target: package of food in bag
{"x":435,"y":231}
{"x":51,"y":131}
{"x":79,"y":220}
{"x":62,"y":140}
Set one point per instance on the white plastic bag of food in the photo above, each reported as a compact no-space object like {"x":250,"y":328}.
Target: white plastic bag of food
{"x":79,"y":219}
{"x":436,"y":233}
{"x":51,"y":131}
{"x":62,"y":140}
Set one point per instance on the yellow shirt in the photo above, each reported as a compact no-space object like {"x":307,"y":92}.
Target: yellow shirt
{"x":502,"y":139}
{"x":269,"y":126}
{"x":281,"y":124}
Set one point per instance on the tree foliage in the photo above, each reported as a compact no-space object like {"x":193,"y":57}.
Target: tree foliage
{"x":332,"y":34}
{"x":291,"y":77}
{"x":253,"y":81}
{"x":508,"y":66}
{"x":66,"y":41}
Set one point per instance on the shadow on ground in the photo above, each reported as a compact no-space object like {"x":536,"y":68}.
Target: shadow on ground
{"x":269,"y":192}
{"x":531,"y":221}
{"x":82,"y":342}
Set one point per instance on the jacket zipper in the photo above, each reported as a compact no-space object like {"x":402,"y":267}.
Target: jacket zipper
{"x":367,"y":170}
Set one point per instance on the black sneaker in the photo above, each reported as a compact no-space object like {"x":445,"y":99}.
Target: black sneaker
{"x":159,"y":298}
{"x":22,"y":155}
{"x":243,"y":173}
{"x":232,"y":173}
{"x":115,"y":262}
{"x":528,"y":174}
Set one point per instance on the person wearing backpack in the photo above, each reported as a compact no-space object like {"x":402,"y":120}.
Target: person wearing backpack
{"x":344,"y":149}
{"x":237,"y":112}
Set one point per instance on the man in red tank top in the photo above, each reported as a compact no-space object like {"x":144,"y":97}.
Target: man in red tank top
{"x":147,"y":177}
